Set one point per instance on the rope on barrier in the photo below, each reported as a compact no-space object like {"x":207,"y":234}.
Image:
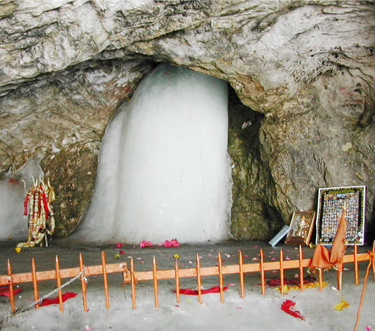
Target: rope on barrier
{"x":30,"y":306}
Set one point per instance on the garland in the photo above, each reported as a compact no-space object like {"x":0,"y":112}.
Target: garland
{"x":41,"y":219}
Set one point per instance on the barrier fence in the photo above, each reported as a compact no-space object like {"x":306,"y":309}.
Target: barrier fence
{"x":131,"y":276}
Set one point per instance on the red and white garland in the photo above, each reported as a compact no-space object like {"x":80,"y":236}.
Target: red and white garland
{"x":40,"y":211}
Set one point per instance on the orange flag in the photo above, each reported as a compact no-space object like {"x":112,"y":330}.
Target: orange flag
{"x":323,"y":258}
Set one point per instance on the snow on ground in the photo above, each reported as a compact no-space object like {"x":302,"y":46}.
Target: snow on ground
{"x":254,"y":312}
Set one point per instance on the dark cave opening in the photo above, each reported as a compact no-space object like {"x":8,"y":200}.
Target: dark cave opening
{"x":253,"y":214}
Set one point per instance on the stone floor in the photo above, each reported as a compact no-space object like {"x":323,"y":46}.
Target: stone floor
{"x":251,"y":310}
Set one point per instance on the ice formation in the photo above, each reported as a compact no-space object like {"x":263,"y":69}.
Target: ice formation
{"x":164,"y":171}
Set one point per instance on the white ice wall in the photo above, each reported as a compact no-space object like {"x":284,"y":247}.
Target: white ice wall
{"x":164,"y":171}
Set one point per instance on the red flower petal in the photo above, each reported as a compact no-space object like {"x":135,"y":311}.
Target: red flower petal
{"x":65,"y":296}
{"x":287,"y":305}
{"x":215,"y":289}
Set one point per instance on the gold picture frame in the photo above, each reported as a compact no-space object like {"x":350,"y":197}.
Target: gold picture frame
{"x":302,"y":225}
{"x":330,"y":202}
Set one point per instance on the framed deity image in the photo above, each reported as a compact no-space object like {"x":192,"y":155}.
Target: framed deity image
{"x":301,"y":225}
{"x":330,"y":207}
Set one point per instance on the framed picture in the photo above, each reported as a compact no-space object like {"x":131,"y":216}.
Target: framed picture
{"x":301,"y":225}
{"x":330,"y":203}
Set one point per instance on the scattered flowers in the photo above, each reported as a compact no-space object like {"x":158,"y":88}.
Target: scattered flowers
{"x":145,"y":243}
{"x":288,"y":305}
{"x":167,"y":243}
{"x":4,"y":290}
{"x":55,"y":300}
{"x":170,"y":243}
{"x":118,"y":245}
{"x":277,"y":282}
{"x":341,"y":305}
{"x":176,"y":256}
{"x":18,"y":249}
{"x":215,"y":289}
{"x":288,"y":288}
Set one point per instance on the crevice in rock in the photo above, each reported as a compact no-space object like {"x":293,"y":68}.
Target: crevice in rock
{"x":253,"y":215}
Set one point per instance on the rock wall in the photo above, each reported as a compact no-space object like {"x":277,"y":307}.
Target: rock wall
{"x":61,"y":118}
{"x":304,"y":72}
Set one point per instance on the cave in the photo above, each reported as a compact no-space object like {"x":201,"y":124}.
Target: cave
{"x":301,"y":98}
{"x":298,"y":81}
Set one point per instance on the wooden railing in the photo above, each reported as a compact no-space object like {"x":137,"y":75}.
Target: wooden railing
{"x":131,"y":276}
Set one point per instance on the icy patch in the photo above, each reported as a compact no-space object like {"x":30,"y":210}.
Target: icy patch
{"x":164,"y":171}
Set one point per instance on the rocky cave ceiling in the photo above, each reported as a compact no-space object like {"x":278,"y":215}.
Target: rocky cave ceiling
{"x":302,"y":75}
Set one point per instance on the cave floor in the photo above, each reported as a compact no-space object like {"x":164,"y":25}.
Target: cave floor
{"x":68,"y":254}
{"x":120,"y":296}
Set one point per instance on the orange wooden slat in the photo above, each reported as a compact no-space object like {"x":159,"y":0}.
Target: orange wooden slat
{"x":320,"y":273}
{"x":339,"y":276}
{"x":177,"y":278}
{"x":242,"y":279}
{"x":133,"y":282}
{"x":105,"y":280}
{"x":83,"y":282}
{"x":361,"y":257}
{"x":356,"y":270}
{"x":11,"y":292}
{"x":155,"y":280}
{"x":301,"y":270}
{"x":220,"y":267}
{"x":281,"y":254}
{"x":262,"y":274}
{"x":199,"y":280}
{"x":35,"y":282}
{"x":58,"y":282}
